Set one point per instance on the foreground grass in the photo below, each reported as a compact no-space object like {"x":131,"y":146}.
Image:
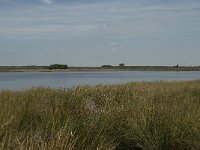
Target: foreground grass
{"x":149,"y":116}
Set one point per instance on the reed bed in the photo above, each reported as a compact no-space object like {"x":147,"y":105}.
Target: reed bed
{"x":139,"y":115}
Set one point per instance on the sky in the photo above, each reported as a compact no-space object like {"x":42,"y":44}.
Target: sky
{"x":100,"y":32}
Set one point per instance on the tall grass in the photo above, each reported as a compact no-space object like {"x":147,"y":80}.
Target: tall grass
{"x":147,"y":115}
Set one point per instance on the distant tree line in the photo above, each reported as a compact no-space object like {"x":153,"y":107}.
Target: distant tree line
{"x":106,"y":66}
{"x":110,"y":66}
{"x":58,"y":66}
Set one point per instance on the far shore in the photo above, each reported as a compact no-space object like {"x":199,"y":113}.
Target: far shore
{"x":97,"y":69}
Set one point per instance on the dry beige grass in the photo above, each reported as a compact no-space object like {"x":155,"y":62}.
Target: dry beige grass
{"x":153,"y":116}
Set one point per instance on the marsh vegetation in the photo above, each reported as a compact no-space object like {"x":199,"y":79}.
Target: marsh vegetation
{"x":145,"y":115}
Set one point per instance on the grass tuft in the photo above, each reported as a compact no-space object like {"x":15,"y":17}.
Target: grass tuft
{"x":145,"y":116}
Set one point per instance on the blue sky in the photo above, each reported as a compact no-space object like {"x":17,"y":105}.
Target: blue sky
{"x":97,"y":32}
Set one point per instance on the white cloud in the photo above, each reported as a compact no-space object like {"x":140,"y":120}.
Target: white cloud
{"x":47,"y":1}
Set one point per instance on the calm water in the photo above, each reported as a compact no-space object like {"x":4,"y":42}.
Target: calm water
{"x":22,"y":80}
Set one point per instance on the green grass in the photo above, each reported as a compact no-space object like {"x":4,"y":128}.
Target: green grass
{"x":152,"y":116}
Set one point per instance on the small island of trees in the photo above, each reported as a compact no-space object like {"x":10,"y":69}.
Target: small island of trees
{"x":58,"y":66}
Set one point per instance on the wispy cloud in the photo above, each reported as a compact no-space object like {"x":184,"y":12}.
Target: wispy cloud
{"x":47,"y":1}
{"x":100,"y":19}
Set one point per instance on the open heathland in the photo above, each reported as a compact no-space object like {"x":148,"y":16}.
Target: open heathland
{"x":138,"y":115}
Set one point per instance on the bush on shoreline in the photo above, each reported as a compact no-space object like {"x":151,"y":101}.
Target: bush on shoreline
{"x":147,"y":115}
{"x":57,"y":66}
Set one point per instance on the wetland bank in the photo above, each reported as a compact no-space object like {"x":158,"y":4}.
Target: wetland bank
{"x":99,"y":75}
{"x":143,"y":115}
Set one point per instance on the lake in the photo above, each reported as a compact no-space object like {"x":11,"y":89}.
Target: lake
{"x":22,"y":80}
